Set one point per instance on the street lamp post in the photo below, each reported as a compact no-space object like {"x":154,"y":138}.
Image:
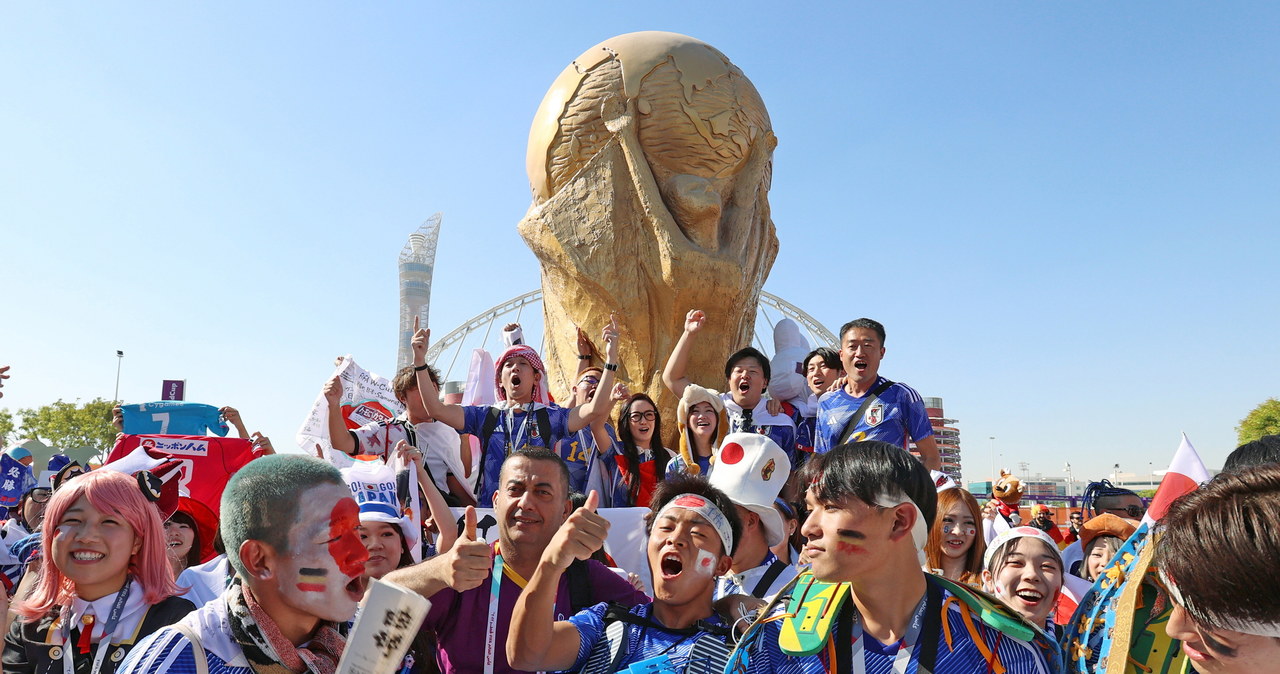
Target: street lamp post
{"x":119,"y":362}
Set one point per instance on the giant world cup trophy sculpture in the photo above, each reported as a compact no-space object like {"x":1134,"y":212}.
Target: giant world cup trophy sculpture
{"x":650,"y":160}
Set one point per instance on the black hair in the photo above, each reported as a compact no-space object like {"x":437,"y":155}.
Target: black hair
{"x":193,"y":555}
{"x":698,"y":485}
{"x":830,"y":357}
{"x":1265,"y":449}
{"x":865,"y":323}
{"x":866,"y":470}
{"x":540,"y":454}
{"x":747,"y":352}
{"x":1099,"y":490}
{"x":632,"y":454}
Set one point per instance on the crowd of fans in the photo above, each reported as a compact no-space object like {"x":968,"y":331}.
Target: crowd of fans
{"x":783,"y":533}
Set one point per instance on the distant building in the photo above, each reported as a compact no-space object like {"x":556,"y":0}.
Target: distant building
{"x":417,"y":261}
{"x":946,"y":435}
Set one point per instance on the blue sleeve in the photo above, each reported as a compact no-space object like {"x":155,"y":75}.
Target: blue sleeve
{"x":473,"y":419}
{"x":559,"y":418}
{"x":590,"y":625}
{"x":766,"y":656}
{"x":164,"y":651}
{"x":917,"y":417}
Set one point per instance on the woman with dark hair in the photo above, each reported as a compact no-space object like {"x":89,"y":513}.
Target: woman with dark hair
{"x":639,"y":453}
{"x":189,"y":534}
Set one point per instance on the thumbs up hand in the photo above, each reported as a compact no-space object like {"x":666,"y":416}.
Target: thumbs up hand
{"x":469,"y":560}
{"x":580,"y":535}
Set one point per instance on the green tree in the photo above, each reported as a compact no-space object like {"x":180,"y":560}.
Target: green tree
{"x":67,"y":425}
{"x":6,"y":427}
{"x":1263,"y":420}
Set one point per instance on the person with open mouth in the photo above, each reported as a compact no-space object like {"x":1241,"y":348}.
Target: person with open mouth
{"x":1023,"y":567}
{"x":1217,"y":552}
{"x":870,"y":407}
{"x":638,"y":455}
{"x":865,"y":604}
{"x":290,"y":527}
{"x":104,"y":579}
{"x":703,"y":425}
{"x":746,"y":374}
{"x":692,"y":530}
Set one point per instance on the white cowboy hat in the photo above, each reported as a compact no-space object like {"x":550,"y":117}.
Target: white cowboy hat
{"x":751,"y":470}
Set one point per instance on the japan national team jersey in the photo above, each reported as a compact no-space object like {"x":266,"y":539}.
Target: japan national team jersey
{"x":513,"y":431}
{"x":579,"y":452}
{"x":676,"y":652}
{"x":173,"y":418}
{"x":780,"y":428}
{"x":898,"y":413}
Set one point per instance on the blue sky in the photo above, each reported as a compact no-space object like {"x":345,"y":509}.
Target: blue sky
{"x":1064,"y":213}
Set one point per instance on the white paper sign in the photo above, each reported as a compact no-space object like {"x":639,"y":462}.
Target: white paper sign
{"x":381,"y":636}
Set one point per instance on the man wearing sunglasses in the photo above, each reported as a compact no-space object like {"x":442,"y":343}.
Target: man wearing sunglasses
{"x":581,"y":450}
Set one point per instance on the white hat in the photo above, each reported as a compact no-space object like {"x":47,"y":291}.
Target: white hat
{"x":751,"y":470}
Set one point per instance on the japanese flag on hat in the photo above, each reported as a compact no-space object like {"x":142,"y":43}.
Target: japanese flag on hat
{"x":750,"y":470}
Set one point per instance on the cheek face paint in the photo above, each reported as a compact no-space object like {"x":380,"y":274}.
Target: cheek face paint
{"x":706,"y":562}
{"x":347,"y":550}
{"x":847,"y":548}
{"x":312,"y":580}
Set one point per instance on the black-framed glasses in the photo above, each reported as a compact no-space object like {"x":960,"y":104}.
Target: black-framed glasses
{"x":637,"y":417}
{"x":41,"y":495}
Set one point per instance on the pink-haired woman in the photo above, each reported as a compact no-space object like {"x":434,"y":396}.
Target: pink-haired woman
{"x":105,"y":580}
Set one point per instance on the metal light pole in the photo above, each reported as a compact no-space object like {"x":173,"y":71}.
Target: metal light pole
{"x":119,"y":362}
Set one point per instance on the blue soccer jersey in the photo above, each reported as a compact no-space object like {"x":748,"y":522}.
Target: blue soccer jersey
{"x":579,"y":451}
{"x":173,"y":418}
{"x":656,"y":648}
{"x":896,"y":416}
{"x":513,"y":431}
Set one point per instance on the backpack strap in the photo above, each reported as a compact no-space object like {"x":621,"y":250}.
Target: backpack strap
{"x":852,"y":423}
{"x":578,"y":576}
{"x":766,"y":581}
{"x":543,"y":420}
{"x":491,"y":419}
{"x":197,"y":649}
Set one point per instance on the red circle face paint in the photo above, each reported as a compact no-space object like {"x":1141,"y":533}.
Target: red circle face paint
{"x":731,"y":453}
{"x":345,"y":548}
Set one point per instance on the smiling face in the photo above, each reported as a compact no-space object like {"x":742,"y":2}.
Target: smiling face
{"x":1098,"y":556}
{"x":818,"y":376}
{"x":531,"y":502}
{"x":860,"y":353}
{"x":518,"y":379}
{"x":685,"y":555}
{"x":703,"y":420}
{"x":385,"y":547}
{"x":958,"y":530}
{"x":845,"y":539}
{"x":747,"y":382}
{"x":179,"y":537}
{"x":1222,"y":651}
{"x":92,"y":549}
{"x":641,"y":419}
{"x":1028,"y":581}
{"x":322,"y":575}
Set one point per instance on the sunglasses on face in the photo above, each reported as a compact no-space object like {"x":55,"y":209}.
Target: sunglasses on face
{"x":1133,"y":511}
{"x":642,"y":416}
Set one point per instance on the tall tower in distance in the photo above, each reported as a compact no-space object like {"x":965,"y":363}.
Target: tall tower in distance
{"x":417,"y":260}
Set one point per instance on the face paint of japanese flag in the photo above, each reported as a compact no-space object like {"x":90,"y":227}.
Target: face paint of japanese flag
{"x":322,"y":574}
{"x":706,"y":562}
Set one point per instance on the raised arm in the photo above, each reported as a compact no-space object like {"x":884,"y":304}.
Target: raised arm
{"x":598,"y":408}
{"x":465,"y":566}
{"x":536,"y":642}
{"x":232,"y":416}
{"x":435,"y":500}
{"x":673,"y":376}
{"x":451,"y":415}
{"x":339,"y":438}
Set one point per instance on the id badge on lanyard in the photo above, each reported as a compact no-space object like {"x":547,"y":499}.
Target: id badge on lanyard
{"x":907,"y":645}
{"x":108,"y":632}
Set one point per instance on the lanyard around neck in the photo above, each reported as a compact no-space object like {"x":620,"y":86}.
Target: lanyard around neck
{"x":108,"y":632}
{"x":906,"y":645}
{"x":491,"y":627}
